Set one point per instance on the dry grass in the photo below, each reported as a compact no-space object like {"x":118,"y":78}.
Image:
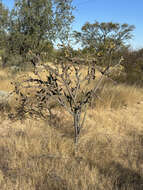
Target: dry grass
{"x":5,"y":80}
{"x":35,"y":155}
{"x":117,"y":96}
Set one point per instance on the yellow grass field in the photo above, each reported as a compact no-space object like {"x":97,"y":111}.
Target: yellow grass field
{"x":36,"y":155}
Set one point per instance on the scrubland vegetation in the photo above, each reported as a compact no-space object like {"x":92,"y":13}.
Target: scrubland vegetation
{"x":69,"y":119}
{"x":40,"y":154}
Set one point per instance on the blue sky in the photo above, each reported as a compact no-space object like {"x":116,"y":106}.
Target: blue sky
{"x":122,"y":11}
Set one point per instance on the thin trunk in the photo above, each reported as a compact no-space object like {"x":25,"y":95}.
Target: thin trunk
{"x":76,"y":125}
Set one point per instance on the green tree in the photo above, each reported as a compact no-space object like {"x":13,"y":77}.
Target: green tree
{"x":103,"y":39}
{"x":4,"y":20}
{"x":133,"y":65}
{"x":36,"y":25}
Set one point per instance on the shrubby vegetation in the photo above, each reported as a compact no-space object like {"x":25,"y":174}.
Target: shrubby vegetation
{"x":61,"y":88}
{"x":30,"y":30}
{"x":103,"y":40}
{"x":33,"y":26}
{"x":133,"y":65}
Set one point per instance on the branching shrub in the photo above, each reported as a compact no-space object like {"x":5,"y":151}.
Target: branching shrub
{"x":69,"y":83}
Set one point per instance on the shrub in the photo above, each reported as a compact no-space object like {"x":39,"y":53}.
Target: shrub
{"x":133,"y":65}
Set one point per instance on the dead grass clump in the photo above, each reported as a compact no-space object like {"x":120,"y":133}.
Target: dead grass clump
{"x":34,"y":155}
{"x":31,"y":159}
{"x":117,"y":96}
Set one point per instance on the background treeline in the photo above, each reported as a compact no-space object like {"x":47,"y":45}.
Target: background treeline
{"x":133,"y":65}
{"x":34,"y":28}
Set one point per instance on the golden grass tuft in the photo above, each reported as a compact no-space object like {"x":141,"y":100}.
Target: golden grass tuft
{"x":117,"y":96}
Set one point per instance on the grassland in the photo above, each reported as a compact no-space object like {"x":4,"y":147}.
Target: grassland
{"x":38,"y":155}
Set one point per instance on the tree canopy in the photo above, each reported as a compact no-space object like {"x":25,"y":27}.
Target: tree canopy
{"x":98,"y":34}
{"x":40,"y":22}
{"x":36,"y":25}
{"x":4,"y":20}
{"x":103,"y":39}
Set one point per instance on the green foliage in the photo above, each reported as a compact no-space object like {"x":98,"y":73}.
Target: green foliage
{"x":64,"y":52}
{"x":3,"y":17}
{"x":133,"y":65}
{"x":36,"y":25}
{"x":4,"y":20}
{"x":12,"y":60}
{"x":63,"y":17}
{"x":31,"y":25}
{"x":103,"y":40}
{"x":100,"y":35}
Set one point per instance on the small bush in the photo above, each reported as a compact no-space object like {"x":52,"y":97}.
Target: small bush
{"x":133,"y":65}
